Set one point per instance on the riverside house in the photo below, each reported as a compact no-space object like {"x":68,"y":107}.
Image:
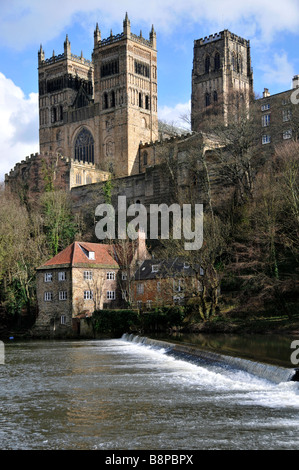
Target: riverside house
{"x":80,"y":279}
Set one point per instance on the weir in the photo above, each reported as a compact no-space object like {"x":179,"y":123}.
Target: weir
{"x":199,"y":356}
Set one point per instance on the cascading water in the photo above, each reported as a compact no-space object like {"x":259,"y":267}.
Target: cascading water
{"x":193,"y":354}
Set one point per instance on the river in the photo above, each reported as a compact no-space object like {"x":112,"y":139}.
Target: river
{"x":119,"y":395}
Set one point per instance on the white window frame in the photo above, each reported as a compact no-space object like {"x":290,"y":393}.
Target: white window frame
{"x":87,"y":275}
{"x":88,"y":295}
{"x":266,"y":120}
{"x":48,"y":296}
{"x":155,"y":268}
{"x":287,"y":134}
{"x":110,"y":294}
{"x":124,"y":275}
{"x":286,"y":115}
{"x":266,"y":139}
{"x":62,"y":276}
{"x":63,"y":295}
{"x":110,"y":276}
{"x":265,"y":107}
{"x":48,"y":277}
{"x":63,"y":319}
{"x":149,"y":303}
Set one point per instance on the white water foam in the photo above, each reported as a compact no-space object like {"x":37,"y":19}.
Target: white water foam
{"x":242,"y":387}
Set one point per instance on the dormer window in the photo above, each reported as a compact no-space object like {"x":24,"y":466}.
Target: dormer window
{"x":89,"y":254}
{"x":155,"y":268}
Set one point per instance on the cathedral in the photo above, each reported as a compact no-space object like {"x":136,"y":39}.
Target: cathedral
{"x":99,"y":118}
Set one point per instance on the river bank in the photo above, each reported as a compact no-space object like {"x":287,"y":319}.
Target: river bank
{"x":265,"y":325}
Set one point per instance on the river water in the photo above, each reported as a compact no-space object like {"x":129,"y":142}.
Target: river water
{"x":119,"y":395}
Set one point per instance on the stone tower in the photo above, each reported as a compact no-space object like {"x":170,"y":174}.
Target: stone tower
{"x":97,"y":112}
{"x":221,"y":70}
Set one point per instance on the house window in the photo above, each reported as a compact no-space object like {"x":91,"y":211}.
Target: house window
{"x":62,"y":276}
{"x":87,"y":275}
{"x":201,"y":271}
{"x":48,"y":277}
{"x":124,"y":294}
{"x":88,"y":295}
{"x":178,"y":286}
{"x":110,"y":294}
{"x":266,"y":120}
{"x":215,"y":96}
{"x":91,"y":255}
{"x":111,"y":276}
{"x":63,"y":320}
{"x":155,"y":268}
{"x":63,"y":295}
{"x":266,"y":139}
{"x":186,"y":265}
{"x":124,"y":276}
{"x":265,"y":107}
{"x":286,"y":115}
{"x":149,"y":304}
{"x":287,"y":134}
{"x":48,"y":296}
{"x":140,"y":288}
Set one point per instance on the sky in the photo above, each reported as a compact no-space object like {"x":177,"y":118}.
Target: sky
{"x":271,"y":26}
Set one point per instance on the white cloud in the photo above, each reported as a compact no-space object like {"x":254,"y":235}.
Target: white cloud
{"x":178,"y":115}
{"x":280,"y":71}
{"x":19,"y":125}
{"x":33,"y":20}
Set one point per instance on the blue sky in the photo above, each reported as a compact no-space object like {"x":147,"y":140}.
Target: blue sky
{"x":272,"y":27}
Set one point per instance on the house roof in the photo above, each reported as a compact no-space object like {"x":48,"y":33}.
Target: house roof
{"x":155,"y":269}
{"x":83,"y":253}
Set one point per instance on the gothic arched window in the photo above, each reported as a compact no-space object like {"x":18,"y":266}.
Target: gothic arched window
{"x":215,"y":96}
{"x":208,"y":99}
{"x":233,"y":61}
{"x":84,"y":146}
{"x":105,"y":101}
{"x":217,"y":61}
{"x":207,"y":64}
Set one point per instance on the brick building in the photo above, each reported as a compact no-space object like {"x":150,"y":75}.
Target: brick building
{"x":165,"y":282}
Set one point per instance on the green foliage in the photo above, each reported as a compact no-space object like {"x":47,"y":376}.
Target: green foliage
{"x":161,"y":318}
{"x":107,"y":190}
{"x":114,"y":321}
{"x":59,"y":224}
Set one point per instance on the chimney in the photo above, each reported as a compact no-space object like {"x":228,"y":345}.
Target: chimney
{"x":295,"y":81}
{"x":266,"y":93}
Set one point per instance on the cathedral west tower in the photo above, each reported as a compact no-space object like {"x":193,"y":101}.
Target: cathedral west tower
{"x":97,"y":112}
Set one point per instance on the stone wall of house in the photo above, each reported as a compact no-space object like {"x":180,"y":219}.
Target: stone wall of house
{"x":54,"y":317}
